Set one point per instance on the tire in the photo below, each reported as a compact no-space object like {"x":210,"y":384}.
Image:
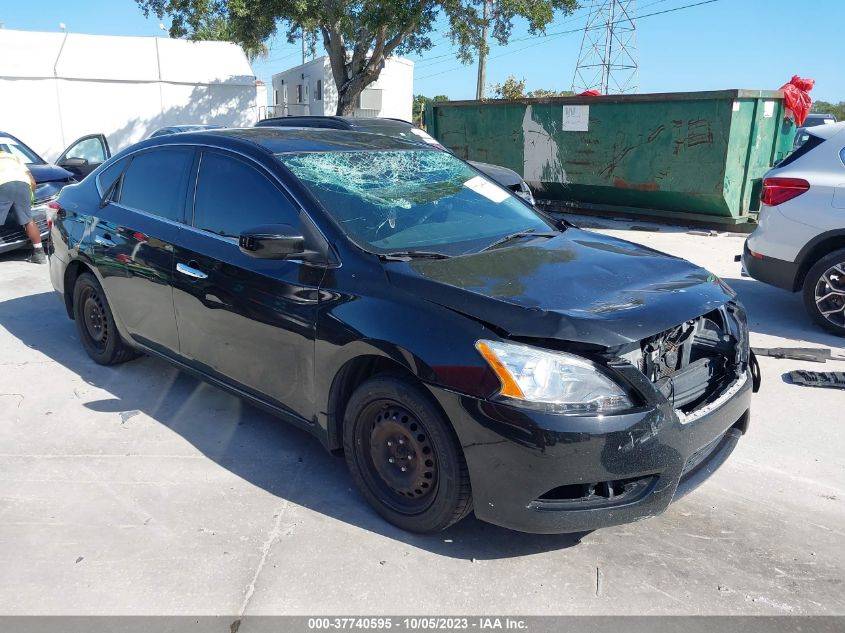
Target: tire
{"x":827,"y":279}
{"x":389,"y":418}
{"x":95,"y":323}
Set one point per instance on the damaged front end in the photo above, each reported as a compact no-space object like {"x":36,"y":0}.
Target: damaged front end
{"x":699,"y":363}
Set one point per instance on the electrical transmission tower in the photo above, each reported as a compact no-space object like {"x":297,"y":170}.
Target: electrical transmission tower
{"x":607,"y":61}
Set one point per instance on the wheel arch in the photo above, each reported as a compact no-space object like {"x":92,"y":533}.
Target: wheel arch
{"x":354,"y":372}
{"x":74,"y":269}
{"x":814,"y":250}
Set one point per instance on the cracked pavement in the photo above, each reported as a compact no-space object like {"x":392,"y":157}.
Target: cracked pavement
{"x":140,"y":490}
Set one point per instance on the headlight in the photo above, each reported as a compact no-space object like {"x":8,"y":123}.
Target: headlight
{"x":560,"y":382}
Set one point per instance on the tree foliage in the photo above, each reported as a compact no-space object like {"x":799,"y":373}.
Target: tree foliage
{"x":359,"y":35}
{"x":418,"y":107}
{"x":513,"y":88}
{"x":825,"y":107}
{"x":220,"y":28}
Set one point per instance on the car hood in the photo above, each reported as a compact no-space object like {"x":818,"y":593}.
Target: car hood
{"x":502,"y":175}
{"x":49,"y":173}
{"x":579,"y":286}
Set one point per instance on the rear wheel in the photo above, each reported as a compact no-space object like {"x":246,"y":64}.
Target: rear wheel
{"x":95,"y":323}
{"x":824,"y":292}
{"x":404,"y":457}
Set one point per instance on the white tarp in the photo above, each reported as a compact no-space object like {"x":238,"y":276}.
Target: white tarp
{"x":56,"y":87}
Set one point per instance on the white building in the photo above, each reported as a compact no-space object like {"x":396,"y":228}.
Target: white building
{"x":56,"y":87}
{"x":310,"y":89}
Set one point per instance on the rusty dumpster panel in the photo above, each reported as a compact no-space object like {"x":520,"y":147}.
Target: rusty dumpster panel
{"x":700,"y":153}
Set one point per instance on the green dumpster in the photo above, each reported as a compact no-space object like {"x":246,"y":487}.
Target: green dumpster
{"x":693,"y":155}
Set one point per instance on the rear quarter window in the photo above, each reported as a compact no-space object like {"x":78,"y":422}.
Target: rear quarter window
{"x":809,"y":145}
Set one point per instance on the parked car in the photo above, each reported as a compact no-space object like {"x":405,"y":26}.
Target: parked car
{"x":463,"y":351}
{"x":799,"y":244}
{"x":82,"y":157}
{"x":398,"y":128}
{"x":177,"y":129}
{"x":813,"y":119}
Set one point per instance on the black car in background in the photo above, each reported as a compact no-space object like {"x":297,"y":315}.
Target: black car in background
{"x":463,"y":351}
{"x":76,"y":162}
{"x":397,"y":128}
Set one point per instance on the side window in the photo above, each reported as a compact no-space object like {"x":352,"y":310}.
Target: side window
{"x":106,"y":178}
{"x":233,"y":196}
{"x":319,"y":95}
{"x":89,"y":149}
{"x":156,"y":182}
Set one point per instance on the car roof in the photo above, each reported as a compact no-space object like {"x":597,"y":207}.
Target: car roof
{"x":826,"y":131}
{"x":279,"y":140}
{"x":333,"y":122}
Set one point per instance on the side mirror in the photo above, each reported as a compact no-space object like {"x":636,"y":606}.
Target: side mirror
{"x":274,"y":241}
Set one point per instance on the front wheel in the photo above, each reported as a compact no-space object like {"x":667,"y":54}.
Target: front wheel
{"x":824,"y":292}
{"x":404,"y":457}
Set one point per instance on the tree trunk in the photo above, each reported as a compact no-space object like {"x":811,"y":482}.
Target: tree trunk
{"x":346,"y":102}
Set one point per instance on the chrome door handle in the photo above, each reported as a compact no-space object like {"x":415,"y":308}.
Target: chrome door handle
{"x":190,"y":272}
{"x":103,"y":241}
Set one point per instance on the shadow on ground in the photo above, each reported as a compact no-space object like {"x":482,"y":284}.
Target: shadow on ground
{"x":252,"y":444}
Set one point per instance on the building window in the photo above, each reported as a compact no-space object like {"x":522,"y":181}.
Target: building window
{"x":299,"y":93}
{"x":275,"y":97}
{"x":319,"y":95}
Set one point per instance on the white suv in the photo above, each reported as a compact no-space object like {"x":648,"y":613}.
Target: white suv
{"x":800,"y":243}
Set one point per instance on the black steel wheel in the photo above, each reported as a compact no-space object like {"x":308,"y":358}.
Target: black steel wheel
{"x":404,"y":456}
{"x":824,"y":292}
{"x":95,"y":323}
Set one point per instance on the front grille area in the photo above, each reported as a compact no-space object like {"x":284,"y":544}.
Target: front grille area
{"x":13,"y":233}
{"x":694,"y":362}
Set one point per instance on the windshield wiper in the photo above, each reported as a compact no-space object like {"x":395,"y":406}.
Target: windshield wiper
{"x":515,"y":236}
{"x":404,"y":256}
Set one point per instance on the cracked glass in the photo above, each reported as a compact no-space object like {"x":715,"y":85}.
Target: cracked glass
{"x":397,"y":200}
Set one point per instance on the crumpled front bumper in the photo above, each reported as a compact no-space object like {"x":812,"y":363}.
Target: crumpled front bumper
{"x":516,"y":456}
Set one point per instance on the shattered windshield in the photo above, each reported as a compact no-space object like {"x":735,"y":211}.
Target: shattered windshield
{"x":401,"y":200}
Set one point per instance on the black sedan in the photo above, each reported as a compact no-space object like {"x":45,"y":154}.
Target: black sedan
{"x":463,"y":351}
{"x":77,"y":161}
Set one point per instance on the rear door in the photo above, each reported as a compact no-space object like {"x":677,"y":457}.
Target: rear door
{"x":247,"y":321}
{"x":131,"y":241}
{"x":85,"y":154}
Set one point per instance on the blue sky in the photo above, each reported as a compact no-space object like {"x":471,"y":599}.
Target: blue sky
{"x":756,"y":44}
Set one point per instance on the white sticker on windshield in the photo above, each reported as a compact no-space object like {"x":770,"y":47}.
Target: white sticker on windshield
{"x":486,"y":189}
{"x":424,"y":136}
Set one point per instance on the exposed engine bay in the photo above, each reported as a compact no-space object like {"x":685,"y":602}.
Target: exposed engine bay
{"x":693,"y":363}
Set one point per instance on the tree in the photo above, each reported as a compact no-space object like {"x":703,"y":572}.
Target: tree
{"x":219,"y":28}
{"x":359,"y":35}
{"x":514,"y":88}
{"x":418,"y":107}
{"x":543,"y":92}
{"x":825,"y":107}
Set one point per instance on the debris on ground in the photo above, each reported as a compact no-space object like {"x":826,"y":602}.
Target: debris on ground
{"x":824,"y":379}
{"x":812,"y":354}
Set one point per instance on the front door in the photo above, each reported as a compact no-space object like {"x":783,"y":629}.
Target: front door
{"x":84,"y":155}
{"x":248,"y":321}
{"x":131,"y":242}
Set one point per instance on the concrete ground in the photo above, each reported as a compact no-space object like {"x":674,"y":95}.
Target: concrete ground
{"x":139,"y":490}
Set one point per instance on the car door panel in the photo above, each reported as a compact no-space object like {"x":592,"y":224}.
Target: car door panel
{"x":131,"y":243}
{"x":133,"y":253}
{"x":249,"y":321}
{"x":85,"y":154}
